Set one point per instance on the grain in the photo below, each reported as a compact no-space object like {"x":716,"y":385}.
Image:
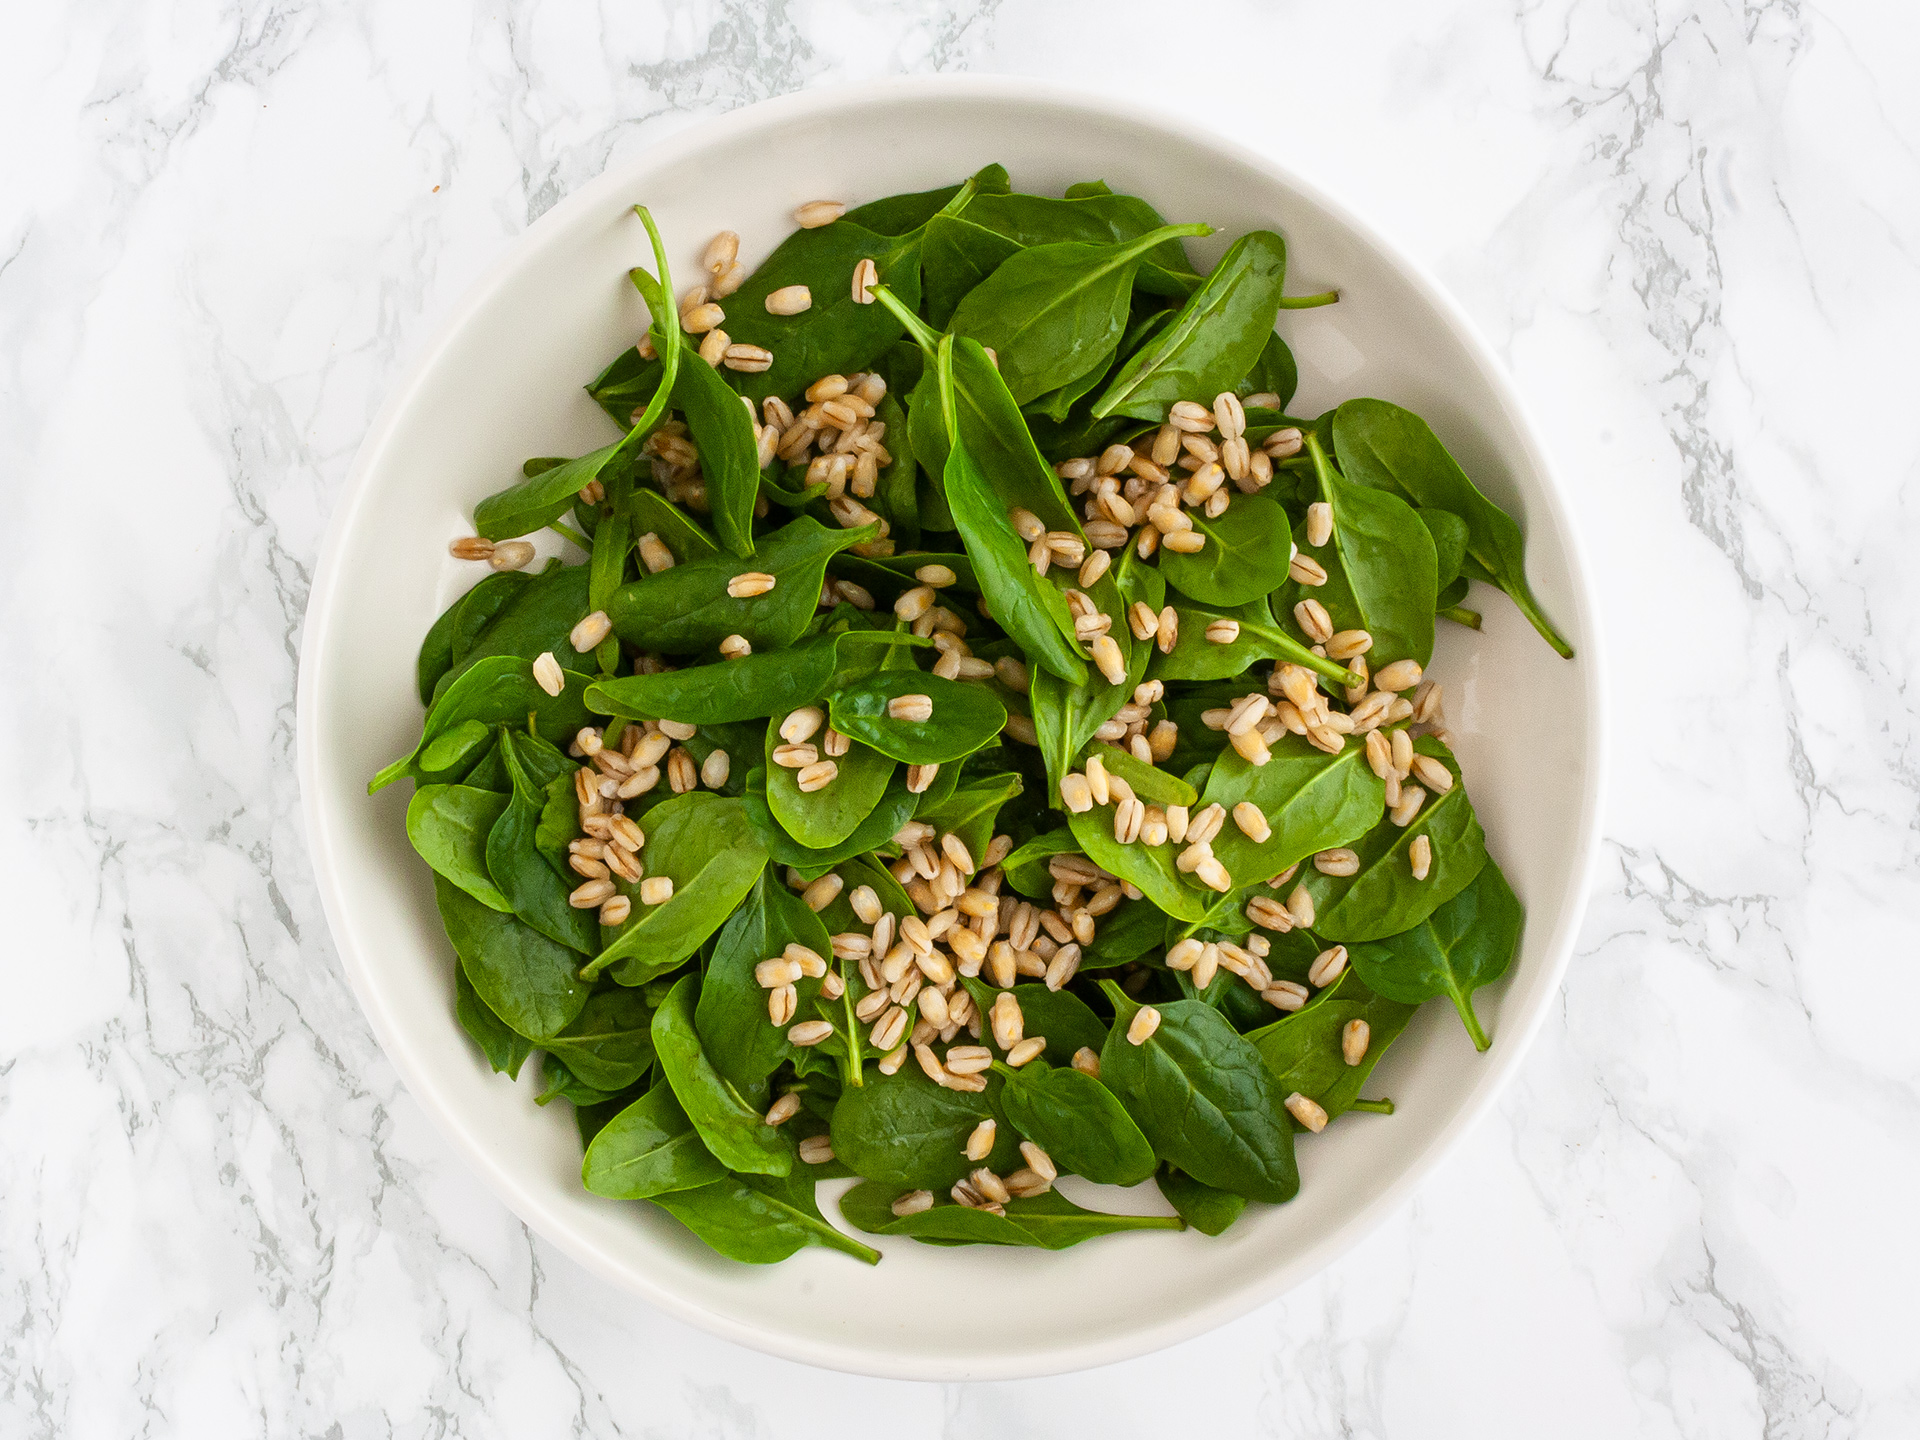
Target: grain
{"x":789,"y":300}
{"x":815,"y":213}
{"x":1306,"y":1112}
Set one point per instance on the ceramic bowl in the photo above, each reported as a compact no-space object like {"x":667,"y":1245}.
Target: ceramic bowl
{"x":502,"y":381}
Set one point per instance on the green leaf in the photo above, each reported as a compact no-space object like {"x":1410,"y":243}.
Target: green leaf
{"x":1202,"y":1095}
{"x":687,"y":610}
{"x":955,"y":256}
{"x":757,"y":1220}
{"x":535,"y":621}
{"x":1040,"y":220}
{"x":1464,"y":944}
{"x":972,"y":809}
{"x":965,"y":716}
{"x":1062,"y":1018}
{"x":531,"y":885}
{"x":900,"y":214}
{"x":1395,"y":450}
{"x":905,"y":1130}
{"x":1212,"y":342}
{"x":1383,"y":898}
{"x":1079,"y":1123}
{"x":1274,"y":373}
{"x":506,"y":1052}
{"x":1206,"y":1209}
{"x":654,"y":514}
{"x":609,"y":1045}
{"x":703,"y":843}
{"x":1303,"y":1050}
{"x":650,"y":1148}
{"x":745,"y":1045}
{"x":1449,"y":534}
{"x":540,"y":499}
{"x":751,"y":688}
{"x":1195,"y":657}
{"x":524,"y":978}
{"x":1067,"y":715}
{"x":1245,"y":558}
{"x":1051,"y":312}
{"x":1313,"y":801}
{"x":736,"y":1132}
{"x":448,"y":825}
{"x":823,"y":819}
{"x":1150,"y":868}
{"x":497,"y":690}
{"x":1046,"y":1222}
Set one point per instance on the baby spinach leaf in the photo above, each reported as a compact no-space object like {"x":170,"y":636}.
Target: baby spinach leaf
{"x":650,"y":1148}
{"x":971,"y":810}
{"x":1065,"y":716}
{"x":540,"y":499}
{"x":609,"y":1045}
{"x":897,"y":806}
{"x":537,"y":893}
{"x":733,"y":1130}
{"x":905,"y":1130}
{"x":1131,"y":930}
{"x":896,"y":490}
{"x":497,"y":690}
{"x":752,"y":688}
{"x":1026,"y":867}
{"x":1047,"y":1222}
{"x":1079,"y":1123}
{"x":1449,"y":533}
{"x":490,"y":772}
{"x":448,"y":825}
{"x":1040,"y":220}
{"x":655,"y":514}
{"x":1313,"y":801}
{"x":1464,"y":944}
{"x":1274,"y":373}
{"x":745,"y":1046}
{"x":1062,"y":1017}
{"x":1150,"y":869}
{"x":1381,"y":567}
{"x":1213,"y":341}
{"x":506,"y":1052}
{"x":437,"y":650}
{"x":703,"y":843}
{"x":833,"y":336}
{"x":1152,"y":784}
{"x":687,"y":610}
{"x":1195,"y":657}
{"x":1383,"y":898}
{"x":517,"y":973}
{"x":899,"y":214}
{"x":1245,"y":558}
{"x":1395,"y":450}
{"x":955,"y":256}
{"x":965,"y":716}
{"x":821,"y":820}
{"x":1050,"y":312}
{"x":534,"y":621}
{"x":477,"y":609}
{"x":755,"y":1219}
{"x":1303,"y":1049}
{"x":723,"y":431}
{"x":1206,"y":1209}
{"x":1203,"y":1097}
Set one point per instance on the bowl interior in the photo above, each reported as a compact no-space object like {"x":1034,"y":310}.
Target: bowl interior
{"x":504,"y":382}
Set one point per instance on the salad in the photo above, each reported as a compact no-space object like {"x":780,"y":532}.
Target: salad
{"x":986,"y":738}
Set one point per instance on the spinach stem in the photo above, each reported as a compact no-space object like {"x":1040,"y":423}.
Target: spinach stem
{"x":1309,"y":302}
{"x":1460,"y":615}
{"x":924,"y":335}
{"x":1373,"y":1107}
{"x":561,"y":527}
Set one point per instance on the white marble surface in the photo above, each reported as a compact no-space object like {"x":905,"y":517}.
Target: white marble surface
{"x":1692,"y":230}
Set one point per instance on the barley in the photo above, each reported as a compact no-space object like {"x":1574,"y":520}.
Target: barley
{"x":1403,"y":813}
{"x":1105,"y":653}
{"x":713,"y":349}
{"x":588,"y":866}
{"x":816,"y":776}
{"x":1319,"y":523}
{"x":511,"y":555}
{"x":656,"y":890}
{"x":471,"y":547}
{"x":735,"y":647}
{"x":1229,"y":415}
{"x":615,"y":911}
{"x":623,"y":832}
{"x":1327,"y":967}
{"x":1194,"y":419}
{"x":1076,"y":793}
{"x":1185,"y":542}
{"x":1252,"y":821}
{"x":781,"y":1004}
{"x":795,"y":757}
{"x":822,"y":892}
{"x":1420,"y":854}
{"x":865,"y":276}
{"x":815,"y":213}
{"x":920,"y":777}
{"x":701,"y":319}
{"x":654,"y":554}
{"x":914,"y":1201}
{"x":1432,"y":774}
{"x":729,"y":280}
{"x":783,"y":1109}
{"x":1300,"y":906}
{"x":968,"y":1059}
{"x":1426,"y":702}
{"x":1145,"y":1021}
{"x":1337,"y":862}
{"x":1128,"y":817}
{"x":1305,"y":570}
{"x":548,"y":675}
{"x":890,"y":1030}
{"x":835,"y":745}
{"x":980,"y":1140}
{"x":789,"y":300}
{"x":918,"y":708}
{"x":1026,"y":525}
{"x":1023,"y":1051}
{"x":752,"y":583}
{"x":715,"y":769}
{"x":1223,"y":632}
{"x":1400,"y":675}
{"x":1285,"y":995}
{"x":747,"y":359}
{"x":1309,"y":1114}
{"x":1314,"y":622}
{"x":721,"y":252}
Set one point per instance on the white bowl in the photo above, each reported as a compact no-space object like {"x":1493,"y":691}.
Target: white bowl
{"x":503,"y":381}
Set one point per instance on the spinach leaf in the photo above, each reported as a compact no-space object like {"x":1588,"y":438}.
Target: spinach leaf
{"x":1052,"y":311}
{"x":1065,"y":1020}
{"x":1065,"y":716}
{"x":524,"y":978}
{"x":703,"y":843}
{"x":1026,"y":867}
{"x":735,"y":1131}
{"x":1313,"y":801}
{"x":1274,"y":373}
{"x":1079,"y":1123}
{"x":506,"y":1052}
{"x":536,"y":891}
{"x":1203,"y":1097}
{"x":1039,"y":220}
{"x":1047,"y":1222}
{"x":895,"y":494}
{"x":1149,"y":782}
{"x":972,"y":809}
{"x":905,"y":1130}
{"x":477,"y":610}
{"x":1383,"y":898}
{"x":1449,"y":533}
{"x":448,"y":825}
{"x":1150,"y":868}
{"x":751,"y":688}
{"x":1194,"y":657}
{"x":490,"y":773}
{"x":1395,"y":450}
{"x":956,"y":255}
{"x":823,"y":819}
{"x":834,"y":335}
{"x":965,"y":716}
{"x":497,"y":690}
{"x":1245,"y":558}
{"x":655,"y":514}
{"x":899,"y":214}
{"x":745,"y":1045}
{"x":687,"y":610}
{"x":1213,"y":341}
{"x":755,"y":1219}
{"x":650,"y":1148}
{"x":609,"y":1045}
{"x":723,"y":431}
{"x":894,"y":808}
{"x":1133,"y":929}
{"x":536,"y":620}
{"x":1464,"y":944}
{"x":1381,"y":567}
{"x":1206,"y":1209}
{"x":1303,"y":1049}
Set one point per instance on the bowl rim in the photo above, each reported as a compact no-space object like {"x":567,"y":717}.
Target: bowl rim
{"x":507,"y":1183}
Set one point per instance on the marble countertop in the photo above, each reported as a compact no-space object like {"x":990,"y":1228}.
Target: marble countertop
{"x":1690,"y":229}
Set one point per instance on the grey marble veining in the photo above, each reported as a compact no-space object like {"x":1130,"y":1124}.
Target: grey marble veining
{"x":1690,"y":229}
